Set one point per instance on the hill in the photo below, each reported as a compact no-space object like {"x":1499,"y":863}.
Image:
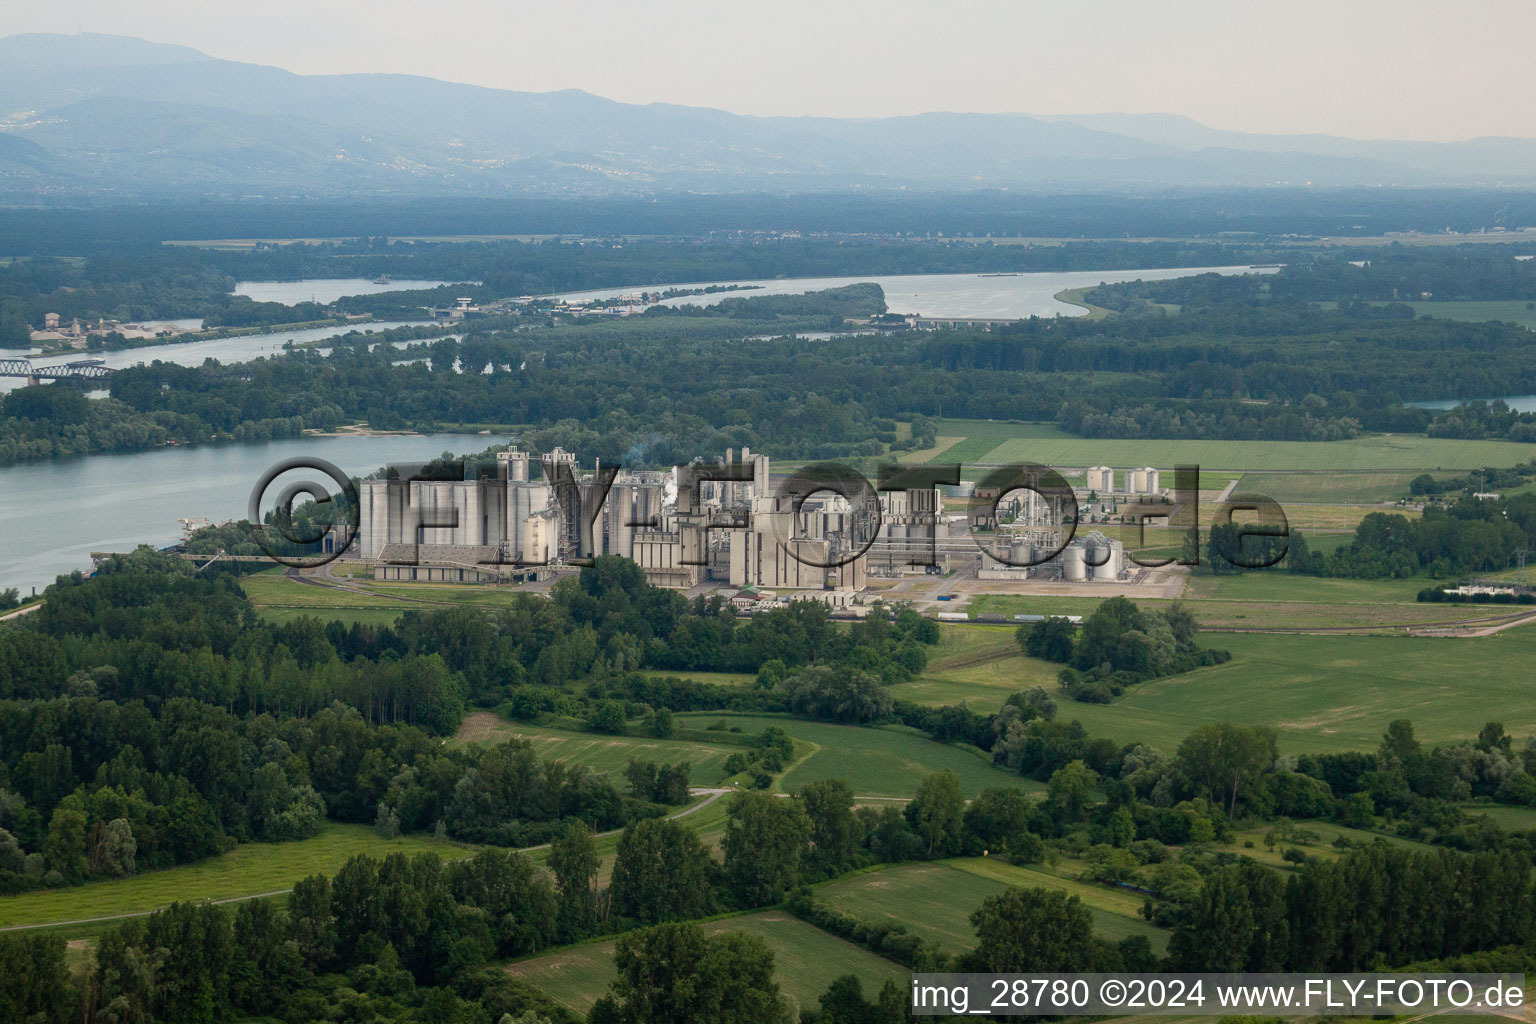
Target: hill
{"x":118,"y":115}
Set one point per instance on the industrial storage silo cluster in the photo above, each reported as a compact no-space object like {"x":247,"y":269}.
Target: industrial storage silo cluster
{"x":1093,"y":557}
{"x":1142,"y":481}
{"x":1101,"y":479}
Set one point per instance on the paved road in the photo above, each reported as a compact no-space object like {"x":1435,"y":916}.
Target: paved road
{"x":714,"y":794}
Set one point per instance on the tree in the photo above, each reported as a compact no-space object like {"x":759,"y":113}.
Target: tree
{"x":113,"y":849}
{"x":835,"y":829}
{"x":1122,"y":827}
{"x":64,"y":847}
{"x":641,"y":776}
{"x":1050,"y":639}
{"x":673,"y":974}
{"x":1398,"y":741}
{"x":661,"y":723}
{"x":936,"y":812}
{"x":1102,"y":631}
{"x":386,"y":823}
{"x":660,"y":873}
{"x":35,"y":983}
{"x":573,"y":859}
{"x":1032,"y":930}
{"x":836,"y":694}
{"x":608,"y":717}
{"x":999,"y":816}
{"x":1225,"y":760}
{"x":765,"y":843}
{"x":1070,"y":790}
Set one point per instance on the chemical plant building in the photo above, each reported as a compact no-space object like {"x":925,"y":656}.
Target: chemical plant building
{"x":507,"y":525}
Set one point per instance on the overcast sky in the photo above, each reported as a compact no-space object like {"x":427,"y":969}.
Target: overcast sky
{"x":1426,"y":69}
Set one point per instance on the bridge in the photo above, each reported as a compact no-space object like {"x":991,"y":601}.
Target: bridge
{"x":80,"y":369}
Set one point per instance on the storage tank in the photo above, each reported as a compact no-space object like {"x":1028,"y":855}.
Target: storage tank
{"x":1020,"y":552}
{"x":1113,"y":557}
{"x":1072,"y":565}
{"x":1136,"y":481}
{"x":1153,"y":485}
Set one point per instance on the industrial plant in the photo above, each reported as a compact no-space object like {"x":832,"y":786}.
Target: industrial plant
{"x":733,"y":523}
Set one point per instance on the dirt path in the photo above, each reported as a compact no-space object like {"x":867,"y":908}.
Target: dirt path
{"x":18,"y":613}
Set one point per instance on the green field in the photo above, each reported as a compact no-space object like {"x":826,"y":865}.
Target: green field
{"x":992,"y":443}
{"x":1329,"y":488}
{"x":1332,"y":693}
{"x":1322,"y":692}
{"x":887,"y":761}
{"x":1116,"y":912}
{"x":931,"y":900}
{"x":714,"y":678}
{"x":1514,"y":311}
{"x":1252,"y":600}
{"x":977,"y":665}
{"x":1279,"y":600}
{"x":806,"y":961}
{"x":975,"y":438}
{"x":247,"y":870}
{"x":602,"y":753}
{"x":280,"y":599}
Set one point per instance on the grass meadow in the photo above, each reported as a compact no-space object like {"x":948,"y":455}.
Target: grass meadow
{"x":247,"y":870}
{"x":990,"y":443}
{"x":806,"y":961}
{"x":879,"y":762}
{"x":601,"y":752}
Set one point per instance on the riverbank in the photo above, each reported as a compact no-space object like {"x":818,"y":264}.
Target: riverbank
{"x":214,"y":334}
{"x":1074,"y":297}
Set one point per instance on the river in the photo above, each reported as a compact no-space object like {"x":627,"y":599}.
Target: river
{"x":997,"y":296}
{"x":56,"y":513}
{"x":192,"y":353}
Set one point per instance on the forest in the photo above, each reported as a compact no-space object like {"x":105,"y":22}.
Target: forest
{"x":148,"y":718}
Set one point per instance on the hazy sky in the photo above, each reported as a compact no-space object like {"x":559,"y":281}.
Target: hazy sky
{"x":1428,"y":69}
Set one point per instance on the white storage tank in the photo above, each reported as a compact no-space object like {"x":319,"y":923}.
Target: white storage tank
{"x":1020,"y":552}
{"x":1153,"y":485}
{"x":1136,"y":481}
{"x":1113,"y":557}
{"x":1072,"y":565}
{"x":1101,"y":479}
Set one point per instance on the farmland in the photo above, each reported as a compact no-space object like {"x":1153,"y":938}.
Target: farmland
{"x":1116,"y":912}
{"x":1333,"y":693}
{"x":1268,"y":600}
{"x":879,"y":762}
{"x":602,"y":753}
{"x":988,"y":443}
{"x":1329,"y":488}
{"x":806,"y":961}
{"x":1321,"y":692}
{"x":249,"y":869}
{"x":934,"y":900}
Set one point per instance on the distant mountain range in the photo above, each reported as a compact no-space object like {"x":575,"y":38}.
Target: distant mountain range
{"x":116,"y":116}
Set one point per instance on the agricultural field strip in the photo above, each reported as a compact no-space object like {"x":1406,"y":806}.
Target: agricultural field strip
{"x":416,"y":846}
{"x":807,"y":960}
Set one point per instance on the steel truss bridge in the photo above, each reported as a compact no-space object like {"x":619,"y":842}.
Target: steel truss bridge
{"x":80,"y":369}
